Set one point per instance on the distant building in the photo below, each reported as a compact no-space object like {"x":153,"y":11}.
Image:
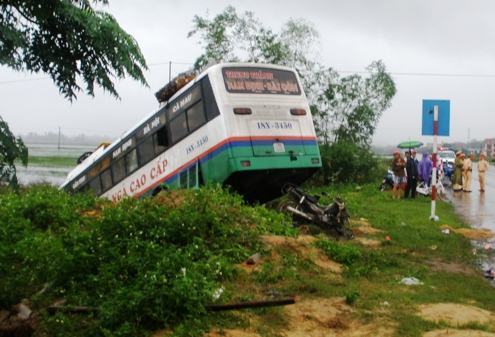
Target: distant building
{"x":489,"y":147}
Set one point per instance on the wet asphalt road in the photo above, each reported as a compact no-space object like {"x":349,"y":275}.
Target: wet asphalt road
{"x":478,"y":210}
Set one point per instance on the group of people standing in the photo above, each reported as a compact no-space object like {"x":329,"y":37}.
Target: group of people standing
{"x":463,"y":169}
{"x":407,"y":173}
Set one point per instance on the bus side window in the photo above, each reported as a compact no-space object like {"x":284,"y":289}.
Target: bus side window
{"x":146,"y":151}
{"x":195,"y":116}
{"x":209,"y":99}
{"x":178,"y":127}
{"x":118,"y":170}
{"x":106,"y":180}
{"x":95,"y":185}
{"x":131,"y":162}
{"x":161,"y":140}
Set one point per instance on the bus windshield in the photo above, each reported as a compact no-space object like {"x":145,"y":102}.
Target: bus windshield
{"x":253,"y":80}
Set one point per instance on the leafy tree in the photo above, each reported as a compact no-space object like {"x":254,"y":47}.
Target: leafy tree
{"x":344,"y":108}
{"x":11,"y":149}
{"x":70,"y":41}
{"x":351,"y":106}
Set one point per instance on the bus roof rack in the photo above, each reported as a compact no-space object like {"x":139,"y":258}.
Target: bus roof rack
{"x":175,"y":85}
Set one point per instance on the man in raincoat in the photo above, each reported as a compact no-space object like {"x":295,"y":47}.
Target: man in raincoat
{"x":425,"y":168}
{"x":457,"y":178}
{"x":482,"y":168}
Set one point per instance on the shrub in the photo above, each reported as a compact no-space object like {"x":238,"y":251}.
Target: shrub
{"x":143,"y":263}
{"x":345,"y":162}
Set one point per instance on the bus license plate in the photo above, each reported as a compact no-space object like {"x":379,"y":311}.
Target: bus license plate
{"x":278,"y":147}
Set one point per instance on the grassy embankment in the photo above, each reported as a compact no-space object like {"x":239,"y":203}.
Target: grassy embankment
{"x":152,"y":264}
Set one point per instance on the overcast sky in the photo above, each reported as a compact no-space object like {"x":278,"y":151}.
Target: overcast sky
{"x":434,"y":49}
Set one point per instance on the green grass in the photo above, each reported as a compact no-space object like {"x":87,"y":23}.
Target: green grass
{"x":52,"y":161}
{"x":372,"y":275}
{"x":117,"y":261}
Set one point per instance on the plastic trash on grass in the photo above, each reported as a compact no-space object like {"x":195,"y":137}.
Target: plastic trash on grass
{"x":411,"y":281}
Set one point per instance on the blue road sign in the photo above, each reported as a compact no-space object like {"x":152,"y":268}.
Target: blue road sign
{"x":443,"y":117}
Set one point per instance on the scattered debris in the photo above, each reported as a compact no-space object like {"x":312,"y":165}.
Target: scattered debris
{"x":411,"y":281}
{"x":18,"y":322}
{"x":254,"y":259}
{"x":446,"y":231}
{"x":433,"y":247}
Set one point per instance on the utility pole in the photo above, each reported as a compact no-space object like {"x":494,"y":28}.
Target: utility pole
{"x":169,"y":71}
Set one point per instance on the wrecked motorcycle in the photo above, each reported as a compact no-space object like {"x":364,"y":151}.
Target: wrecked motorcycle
{"x":305,"y":208}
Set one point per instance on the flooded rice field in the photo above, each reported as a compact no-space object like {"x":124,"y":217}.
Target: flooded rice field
{"x":48,"y":172}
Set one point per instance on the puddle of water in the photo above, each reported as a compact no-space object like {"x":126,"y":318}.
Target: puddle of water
{"x":478,"y":210}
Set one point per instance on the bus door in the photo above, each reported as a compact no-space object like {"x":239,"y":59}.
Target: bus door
{"x":273,"y":137}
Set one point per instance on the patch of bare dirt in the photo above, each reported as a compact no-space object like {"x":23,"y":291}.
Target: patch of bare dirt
{"x":329,"y":317}
{"x":303,"y":245}
{"x":471,"y":233}
{"x":452,"y":267}
{"x":373,"y":243}
{"x":363,"y":227}
{"x":458,"y":333}
{"x":231,"y":333}
{"x":455,"y":314}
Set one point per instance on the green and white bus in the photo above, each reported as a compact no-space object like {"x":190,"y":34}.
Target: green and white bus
{"x":240,"y":124}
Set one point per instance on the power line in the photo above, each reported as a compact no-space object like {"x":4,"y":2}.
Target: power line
{"x":425,"y":74}
{"x":395,"y":73}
